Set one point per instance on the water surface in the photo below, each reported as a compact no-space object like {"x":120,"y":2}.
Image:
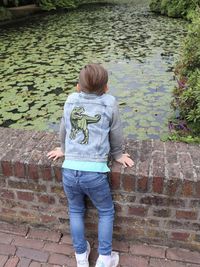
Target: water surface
{"x":43,"y":56}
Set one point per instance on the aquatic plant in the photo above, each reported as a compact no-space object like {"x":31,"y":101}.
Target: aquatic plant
{"x":41,"y":65}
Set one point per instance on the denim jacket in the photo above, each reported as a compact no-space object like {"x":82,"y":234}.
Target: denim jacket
{"x":91,"y":128}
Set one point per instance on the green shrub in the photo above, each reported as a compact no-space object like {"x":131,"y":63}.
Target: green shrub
{"x":54,"y":4}
{"x":175,"y":8}
{"x":187,"y":93}
{"x":5,"y":14}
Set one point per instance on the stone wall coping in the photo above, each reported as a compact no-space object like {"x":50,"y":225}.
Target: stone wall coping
{"x":153,"y":158}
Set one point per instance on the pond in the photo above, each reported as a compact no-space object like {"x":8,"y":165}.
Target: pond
{"x":43,"y":55}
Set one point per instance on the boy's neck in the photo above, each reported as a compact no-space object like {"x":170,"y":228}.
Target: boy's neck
{"x":90,"y":95}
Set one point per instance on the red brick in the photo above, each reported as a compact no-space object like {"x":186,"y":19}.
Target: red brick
{"x":146,"y":250}
{"x":188,"y":215}
{"x":13,"y":229}
{"x":158,"y":145}
{"x":166,"y":263}
{"x":171,"y":154}
{"x":158,"y":184}
{"x":123,"y":197}
{"x":128,"y":183}
{"x":28,"y":243}
{"x":172,"y":187}
{"x":27,"y":186}
{"x":27,"y":196}
{"x":7,"y":194}
{"x":161,"y":213}
{"x":3,"y":260}
{"x":162,"y":201}
{"x":28,"y":216}
{"x":156,"y":234}
{"x":46,"y":174}
{"x":138,"y":211}
{"x":58,"y":174}
{"x":186,"y":166}
{"x":158,"y":164}
{"x":33,"y":254}
{"x":61,"y":260}
{"x":194,"y":152}
{"x":151,"y":223}
{"x":33,"y":172}
{"x":7,"y":249}
{"x":130,"y":261}
{"x":7,"y":168}
{"x":12,"y":262}
{"x":91,"y":226}
{"x":24,"y":262}
{"x":6,"y":238}
{"x":197,"y":189}
{"x":35,"y":264}
{"x":57,"y":189}
{"x":8,"y":213}
{"x":47,"y":218}
{"x":181,"y":147}
{"x":180,"y":236}
{"x":2,"y":180}
{"x":121,"y":246}
{"x":50,"y":265}
{"x":46,"y":199}
{"x":183,"y":255}
{"x":44,"y":235}
{"x":173,"y":170}
{"x":142,"y":184}
{"x":187,"y":188}
{"x":66,"y":239}
{"x":19,"y":169}
{"x":116,"y":167}
{"x":143,"y":168}
{"x":115,"y":180}
{"x":59,"y":248}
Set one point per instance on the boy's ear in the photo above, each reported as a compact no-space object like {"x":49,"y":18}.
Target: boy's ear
{"x":106,"y":88}
{"x":78,"y":87}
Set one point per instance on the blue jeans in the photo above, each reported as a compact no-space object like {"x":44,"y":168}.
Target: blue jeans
{"x":95,"y":185}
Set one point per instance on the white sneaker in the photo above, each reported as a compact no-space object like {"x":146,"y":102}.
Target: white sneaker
{"x":82,"y":259}
{"x":113,"y":262}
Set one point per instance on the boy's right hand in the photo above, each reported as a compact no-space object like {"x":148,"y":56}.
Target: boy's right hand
{"x":55,"y":154}
{"x":126,"y":160}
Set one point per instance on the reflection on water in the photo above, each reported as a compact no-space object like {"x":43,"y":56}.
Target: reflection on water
{"x":42,"y":58}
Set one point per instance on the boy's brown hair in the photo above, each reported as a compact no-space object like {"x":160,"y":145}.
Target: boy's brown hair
{"x":93,"y":79}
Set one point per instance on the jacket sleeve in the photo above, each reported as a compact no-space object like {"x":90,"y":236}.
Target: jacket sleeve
{"x":116,"y":135}
{"x":62,"y":134}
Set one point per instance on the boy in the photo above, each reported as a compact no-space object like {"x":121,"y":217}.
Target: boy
{"x":90,"y":130}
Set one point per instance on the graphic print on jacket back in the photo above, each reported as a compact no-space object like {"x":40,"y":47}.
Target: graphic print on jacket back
{"x":79,"y":122}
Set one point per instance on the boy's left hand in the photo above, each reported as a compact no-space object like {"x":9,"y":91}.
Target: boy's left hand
{"x":126,"y":160}
{"x":55,"y":154}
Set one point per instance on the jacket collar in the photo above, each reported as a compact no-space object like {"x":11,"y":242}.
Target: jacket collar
{"x":89,"y":96}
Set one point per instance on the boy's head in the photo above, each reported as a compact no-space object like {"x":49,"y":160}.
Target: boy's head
{"x":93,"y":79}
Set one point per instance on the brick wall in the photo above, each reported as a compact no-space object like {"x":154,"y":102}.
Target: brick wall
{"x":157,"y":200}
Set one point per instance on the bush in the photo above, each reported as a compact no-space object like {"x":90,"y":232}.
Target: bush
{"x":187,"y":93}
{"x":13,"y":3}
{"x":5,"y":14}
{"x":175,"y":8}
{"x":54,"y":4}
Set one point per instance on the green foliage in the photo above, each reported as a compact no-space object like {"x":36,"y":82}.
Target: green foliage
{"x":187,"y":94}
{"x":178,"y":137}
{"x":5,"y":14}
{"x":54,"y":4}
{"x":175,"y":8}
